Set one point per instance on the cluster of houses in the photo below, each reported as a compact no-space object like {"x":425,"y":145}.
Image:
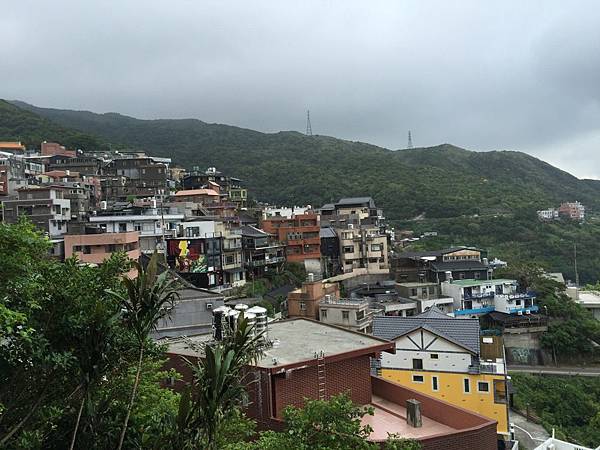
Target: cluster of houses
{"x":567,"y":210}
{"x":398,"y":330}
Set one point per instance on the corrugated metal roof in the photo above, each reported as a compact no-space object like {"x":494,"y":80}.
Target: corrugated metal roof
{"x":463,"y":332}
{"x":327,"y":232}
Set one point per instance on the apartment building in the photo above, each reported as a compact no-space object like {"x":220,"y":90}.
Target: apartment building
{"x":352,"y":210}
{"x":45,"y":206}
{"x":299,"y":233}
{"x":475,"y":297}
{"x":352,"y":313}
{"x":55,"y":149}
{"x":572,"y":211}
{"x":446,"y":358}
{"x":93,"y":246}
{"x":363,"y":248}
{"x":312,"y":360}
{"x":16,"y":172}
{"x":434,"y":266}
{"x":261,"y":252}
{"x":231,"y":188}
{"x":426,"y":295}
{"x":306,"y":300}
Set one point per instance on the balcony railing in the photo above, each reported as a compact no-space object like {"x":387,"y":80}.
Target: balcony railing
{"x":484,"y":310}
{"x":479,"y":296}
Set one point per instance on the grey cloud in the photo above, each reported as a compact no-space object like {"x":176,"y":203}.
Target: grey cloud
{"x":509,"y":75}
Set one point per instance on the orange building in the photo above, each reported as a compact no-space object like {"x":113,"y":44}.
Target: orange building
{"x":12,"y":147}
{"x":299,"y":233}
{"x":305,"y":301}
{"x":96,"y":247}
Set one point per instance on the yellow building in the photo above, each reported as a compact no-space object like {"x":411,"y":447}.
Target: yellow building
{"x":441,"y":356}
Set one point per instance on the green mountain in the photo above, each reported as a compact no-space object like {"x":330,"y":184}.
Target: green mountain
{"x":288,"y":167}
{"x":477,"y":198}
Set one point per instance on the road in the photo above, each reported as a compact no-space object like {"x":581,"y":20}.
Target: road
{"x":562,"y":370}
{"x":529,"y":434}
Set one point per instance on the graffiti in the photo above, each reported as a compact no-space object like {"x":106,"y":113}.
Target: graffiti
{"x":520,"y":355}
{"x":188,"y":257}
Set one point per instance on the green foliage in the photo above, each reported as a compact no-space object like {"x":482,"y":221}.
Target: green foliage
{"x":333,"y":425}
{"x":18,"y":124}
{"x":569,"y":405}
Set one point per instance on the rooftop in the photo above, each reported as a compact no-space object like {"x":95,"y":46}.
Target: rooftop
{"x":209,"y":192}
{"x":356,"y":201}
{"x":589,"y":298}
{"x":417,"y":255}
{"x":296,"y":341}
{"x":463,"y":332}
{"x":443,"y":266}
{"x":472,"y":283}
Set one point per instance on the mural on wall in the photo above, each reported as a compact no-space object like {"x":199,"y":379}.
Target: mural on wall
{"x":188,"y":255}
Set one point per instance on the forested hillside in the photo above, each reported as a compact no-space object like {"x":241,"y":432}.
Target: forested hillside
{"x":288,"y":167}
{"x":486,"y":199}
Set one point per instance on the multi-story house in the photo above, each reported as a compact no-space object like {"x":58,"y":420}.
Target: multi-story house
{"x":45,"y":206}
{"x":299,"y":233}
{"x":92,"y":245}
{"x":305,"y":301}
{"x":135,"y":176}
{"x":426,"y":295}
{"x":434,"y":266}
{"x":446,"y":358}
{"x":330,"y":252}
{"x":261,"y":253}
{"x":353,"y":210}
{"x":572,"y":211}
{"x":197,"y":259}
{"x":55,"y":149}
{"x":363,"y":249}
{"x":152,"y":222}
{"x":475,"y":297}
{"x":231,"y":248}
{"x":17,"y":171}
{"x":84,"y":164}
{"x":548,"y":214}
{"x":352,"y":313}
{"x":231,"y":188}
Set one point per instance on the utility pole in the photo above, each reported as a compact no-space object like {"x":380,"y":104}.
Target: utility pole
{"x":308,"y":125}
{"x":575,"y":261}
{"x":410,"y":143}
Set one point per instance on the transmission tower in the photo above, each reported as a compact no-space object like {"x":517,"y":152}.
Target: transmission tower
{"x":308,"y":126}
{"x":410,"y":144}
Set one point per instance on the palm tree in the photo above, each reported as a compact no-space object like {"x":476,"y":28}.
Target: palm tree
{"x":219,"y":383}
{"x":148,"y":298}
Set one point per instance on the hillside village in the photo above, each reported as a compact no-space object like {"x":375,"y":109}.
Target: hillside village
{"x":424,"y":337}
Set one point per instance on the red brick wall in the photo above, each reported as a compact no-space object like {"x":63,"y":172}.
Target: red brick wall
{"x":474,"y":432}
{"x":350,"y":375}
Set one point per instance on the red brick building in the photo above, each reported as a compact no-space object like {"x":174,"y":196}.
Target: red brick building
{"x":300,"y":234}
{"x":54,"y":149}
{"x":305,"y":301}
{"x":313,"y":360}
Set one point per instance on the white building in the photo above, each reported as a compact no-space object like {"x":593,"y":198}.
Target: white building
{"x":548,"y":214}
{"x":285,"y":211}
{"x":556,"y":444}
{"x":148,"y":221}
{"x":475,"y":297}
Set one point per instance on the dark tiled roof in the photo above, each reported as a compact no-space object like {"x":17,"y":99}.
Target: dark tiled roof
{"x":431,"y":252}
{"x":463,"y":332}
{"x":250,"y":231}
{"x":327,"y":232}
{"x":356,"y":201}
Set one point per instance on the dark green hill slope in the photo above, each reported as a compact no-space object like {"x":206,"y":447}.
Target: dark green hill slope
{"x":22,"y":125}
{"x":288,"y":167}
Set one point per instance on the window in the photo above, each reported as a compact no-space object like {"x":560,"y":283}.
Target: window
{"x":349,"y":249}
{"x":434,"y":356}
{"x":431,"y":290}
{"x":477,"y":275}
{"x":499,"y":391}
{"x":461,"y":275}
{"x":302,"y":306}
{"x":376,"y":247}
{"x":360,"y":315}
{"x":323,"y":314}
{"x":345,"y":315}
{"x":77,"y":248}
{"x":483,"y":386}
{"x":418,"y":378}
{"x":467,"y":385}
{"x":209,"y":306}
{"x":122,"y":227}
{"x":434,"y":383}
{"x":417,"y":364}
{"x":413,"y":292}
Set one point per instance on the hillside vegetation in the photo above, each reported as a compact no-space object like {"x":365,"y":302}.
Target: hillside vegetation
{"x":486,"y":199}
{"x":288,"y":167}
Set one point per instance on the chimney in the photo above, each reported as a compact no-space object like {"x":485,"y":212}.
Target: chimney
{"x":413,"y":413}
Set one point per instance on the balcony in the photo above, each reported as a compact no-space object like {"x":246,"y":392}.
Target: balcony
{"x":522,"y":295}
{"x":483,"y":310}
{"x":478,"y":296}
{"x":525,"y":310}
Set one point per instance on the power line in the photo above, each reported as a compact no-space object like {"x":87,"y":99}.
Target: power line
{"x":308,"y":125}
{"x":410,"y":144}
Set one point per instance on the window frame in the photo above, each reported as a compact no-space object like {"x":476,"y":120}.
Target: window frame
{"x":486,"y":383}
{"x":466,"y":386}
{"x":419,"y":363}
{"x":435,"y":383}
{"x":415,"y":376}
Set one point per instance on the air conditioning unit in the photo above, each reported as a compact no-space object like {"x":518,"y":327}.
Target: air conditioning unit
{"x":209,"y":306}
{"x":528,"y":311}
{"x":519,"y":313}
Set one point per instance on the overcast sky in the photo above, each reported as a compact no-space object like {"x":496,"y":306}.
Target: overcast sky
{"x":509,"y":76}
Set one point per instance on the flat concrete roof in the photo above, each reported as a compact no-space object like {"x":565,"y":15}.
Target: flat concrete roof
{"x":296,"y":341}
{"x":390,"y":417}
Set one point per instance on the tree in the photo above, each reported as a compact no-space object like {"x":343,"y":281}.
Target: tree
{"x":334,"y":424}
{"x":219,"y":385}
{"x":148,"y":298}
